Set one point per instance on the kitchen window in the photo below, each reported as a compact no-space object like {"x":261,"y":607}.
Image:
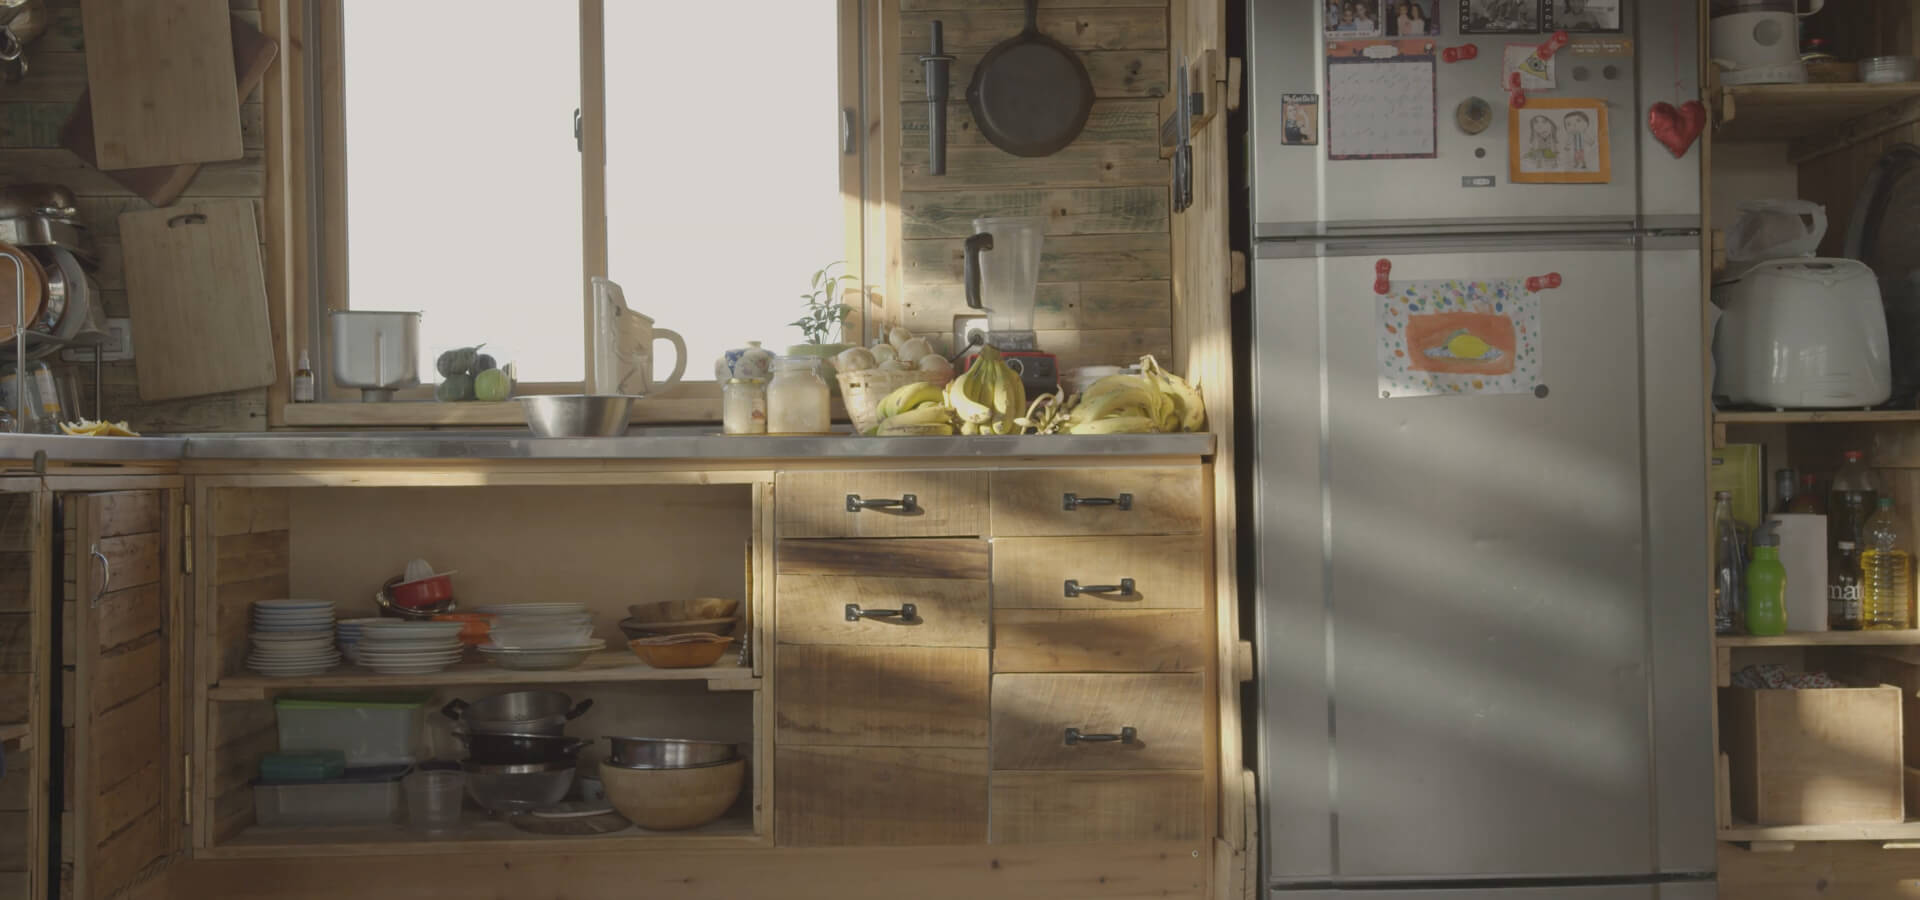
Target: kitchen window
{"x":455,"y":177}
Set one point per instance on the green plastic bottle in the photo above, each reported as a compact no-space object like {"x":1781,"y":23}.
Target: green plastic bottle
{"x":1766,"y":585}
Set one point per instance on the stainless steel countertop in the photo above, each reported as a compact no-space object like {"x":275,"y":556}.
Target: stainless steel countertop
{"x":688,"y":442}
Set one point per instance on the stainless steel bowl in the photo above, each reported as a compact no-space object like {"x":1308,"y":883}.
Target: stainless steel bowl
{"x":576,"y":415}
{"x":666,"y":753}
{"x":517,"y":712}
{"x":511,"y":788}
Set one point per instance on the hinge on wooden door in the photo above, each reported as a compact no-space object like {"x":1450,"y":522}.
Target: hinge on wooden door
{"x":186,"y":800}
{"x":186,"y":538}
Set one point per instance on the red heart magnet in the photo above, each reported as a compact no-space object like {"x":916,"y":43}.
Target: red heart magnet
{"x":1677,"y":127}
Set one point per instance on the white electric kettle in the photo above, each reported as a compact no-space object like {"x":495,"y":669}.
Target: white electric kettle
{"x":622,"y":360}
{"x":1758,"y":41}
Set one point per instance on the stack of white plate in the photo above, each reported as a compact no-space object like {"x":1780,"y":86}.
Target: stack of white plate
{"x":292,"y":638}
{"x":408,"y":648}
{"x":346,"y":633}
{"x":540,"y":635}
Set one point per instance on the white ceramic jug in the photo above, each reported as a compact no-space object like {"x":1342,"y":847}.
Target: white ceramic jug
{"x":622,"y":360}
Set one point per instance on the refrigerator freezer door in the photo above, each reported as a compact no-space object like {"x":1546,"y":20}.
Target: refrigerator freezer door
{"x":1299,"y":190}
{"x":1455,"y":598}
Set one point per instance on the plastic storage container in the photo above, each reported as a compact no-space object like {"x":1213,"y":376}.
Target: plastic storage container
{"x":363,"y":797}
{"x":372,"y":730}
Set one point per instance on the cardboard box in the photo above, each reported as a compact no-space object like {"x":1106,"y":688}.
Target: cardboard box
{"x":1814,"y":757}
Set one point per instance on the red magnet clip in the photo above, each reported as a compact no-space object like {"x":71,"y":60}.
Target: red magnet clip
{"x":1460,"y":53}
{"x":1546,"y":282}
{"x":1516,"y":95}
{"x":1553,"y":45}
{"x":1381,"y":270}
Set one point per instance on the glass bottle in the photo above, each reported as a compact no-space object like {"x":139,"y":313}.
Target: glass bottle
{"x":1807,"y":499}
{"x":1784,"y":484}
{"x":1886,"y":571}
{"x":797,"y":397}
{"x":1851,"y":499}
{"x":303,"y":380}
{"x":743,"y":408}
{"x":1729,"y":568}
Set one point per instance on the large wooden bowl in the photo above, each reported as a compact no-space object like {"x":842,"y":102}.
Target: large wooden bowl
{"x":674,"y":799}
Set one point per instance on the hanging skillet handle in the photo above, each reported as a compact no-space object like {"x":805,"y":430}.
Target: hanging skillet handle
{"x":454,"y":709}
{"x":1033,"y":16}
{"x":579,"y":709}
{"x":970,"y":266}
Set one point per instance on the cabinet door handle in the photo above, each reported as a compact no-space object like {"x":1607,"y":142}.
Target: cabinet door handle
{"x":907,"y":503}
{"x":1124,"y":588}
{"x":906,"y":613}
{"x":1071,"y":502}
{"x":1127,"y":735}
{"x":106,"y":576}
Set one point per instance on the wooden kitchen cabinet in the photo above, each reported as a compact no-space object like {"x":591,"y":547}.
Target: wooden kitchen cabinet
{"x":845,"y":504}
{"x":1100,"y":573}
{"x":1037,"y":718}
{"x":1100,"y":501}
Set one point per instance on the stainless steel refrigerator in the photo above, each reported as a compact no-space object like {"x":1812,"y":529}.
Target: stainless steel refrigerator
{"x":1484,"y":642}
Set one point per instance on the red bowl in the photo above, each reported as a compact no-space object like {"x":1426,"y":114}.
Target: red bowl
{"x":430,"y":591}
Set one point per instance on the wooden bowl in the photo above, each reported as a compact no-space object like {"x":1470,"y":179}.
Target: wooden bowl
{"x":705,"y":650}
{"x":634,"y":629}
{"x":674,"y":799}
{"x":683,"y":610}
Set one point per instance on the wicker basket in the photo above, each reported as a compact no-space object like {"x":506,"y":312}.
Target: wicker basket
{"x":863,"y":391}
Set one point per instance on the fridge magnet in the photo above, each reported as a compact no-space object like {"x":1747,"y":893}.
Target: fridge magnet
{"x":1458,"y":337}
{"x":1381,"y":108}
{"x":1413,"y":18}
{"x":1585,"y":16}
{"x":1559,"y":140}
{"x":1536,"y":73}
{"x":1473,"y":115}
{"x":1300,"y":115}
{"x":1500,"y":16}
{"x":1354,"y":18}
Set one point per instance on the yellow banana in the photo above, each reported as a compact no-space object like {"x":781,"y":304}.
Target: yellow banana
{"x":1126,"y":401}
{"x":1115,"y":425}
{"x":1009,"y":397}
{"x":889,"y":429}
{"x":925,"y":415}
{"x":909,"y":397}
{"x":1192,"y":407}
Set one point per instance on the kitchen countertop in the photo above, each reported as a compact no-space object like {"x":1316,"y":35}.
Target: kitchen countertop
{"x":687,"y":442}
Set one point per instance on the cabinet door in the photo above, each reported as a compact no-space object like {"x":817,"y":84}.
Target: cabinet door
{"x":25,"y":666}
{"x":126,"y":794}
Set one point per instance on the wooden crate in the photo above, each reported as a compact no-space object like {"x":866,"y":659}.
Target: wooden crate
{"x":1814,"y":757}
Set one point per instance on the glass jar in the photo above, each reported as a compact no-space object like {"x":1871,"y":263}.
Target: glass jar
{"x":797,"y":397}
{"x":744,"y":406}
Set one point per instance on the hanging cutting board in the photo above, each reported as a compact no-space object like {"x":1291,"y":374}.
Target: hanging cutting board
{"x":198,"y":299}
{"x":253,"y":53}
{"x":161,"y":74}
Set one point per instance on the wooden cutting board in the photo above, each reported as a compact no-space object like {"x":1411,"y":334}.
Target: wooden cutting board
{"x":253,"y":53}
{"x":198,"y":299}
{"x":162,"y":75}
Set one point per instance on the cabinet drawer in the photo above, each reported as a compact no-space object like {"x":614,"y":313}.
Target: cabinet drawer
{"x":1166,"y":572}
{"x":1086,"y":807}
{"x":865,"y":796}
{"x":894,"y":558}
{"x":828,"y":504}
{"x":1146,"y":501}
{"x":1032,"y":713}
{"x":1078,"y":640}
{"x":880,"y":696}
{"x":812,"y":609}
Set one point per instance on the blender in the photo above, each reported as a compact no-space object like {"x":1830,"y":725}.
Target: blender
{"x":1002,"y":271}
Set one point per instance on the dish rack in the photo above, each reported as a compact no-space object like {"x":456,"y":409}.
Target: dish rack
{"x":43,"y":343}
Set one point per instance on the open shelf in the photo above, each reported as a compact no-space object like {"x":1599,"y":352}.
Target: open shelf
{"x":1805,"y":416}
{"x":606,"y":666}
{"x":479,"y":833}
{"x":1785,"y":112}
{"x":1907,"y":636}
{"x":1891,"y":831}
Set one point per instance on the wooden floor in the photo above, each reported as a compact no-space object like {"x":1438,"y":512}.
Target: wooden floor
{"x":1820,"y":871}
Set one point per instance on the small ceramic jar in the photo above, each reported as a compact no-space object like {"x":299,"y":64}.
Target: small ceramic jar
{"x":751,"y":361}
{"x":797,"y":398}
{"x":744,"y":406}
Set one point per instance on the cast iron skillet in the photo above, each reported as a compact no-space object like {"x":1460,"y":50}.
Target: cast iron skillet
{"x":1030,"y":94}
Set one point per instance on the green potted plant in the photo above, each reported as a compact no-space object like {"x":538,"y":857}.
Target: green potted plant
{"x":825,"y":315}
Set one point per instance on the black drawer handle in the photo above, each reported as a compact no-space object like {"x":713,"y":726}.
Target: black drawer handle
{"x":906,"y":613}
{"x":1124,"y":588}
{"x":907,"y":503}
{"x":1127,"y":735}
{"x":1071,"y":502}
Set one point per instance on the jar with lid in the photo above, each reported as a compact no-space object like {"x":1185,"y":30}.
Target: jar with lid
{"x":797,"y":397}
{"x":744,"y":406}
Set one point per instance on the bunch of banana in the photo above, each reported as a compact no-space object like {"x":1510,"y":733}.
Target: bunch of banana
{"x":988,"y":397}
{"x":1048,"y":413}
{"x":913,"y":410}
{"x":1153,"y":401}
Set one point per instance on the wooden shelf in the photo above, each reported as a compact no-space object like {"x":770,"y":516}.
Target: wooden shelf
{"x":1786,"y":112}
{"x":1906,"y":636}
{"x":478,"y":834}
{"x":607,"y":666}
{"x":15,"y":736}
{"x":1810,"y":416}
{"x":1893,"y":831}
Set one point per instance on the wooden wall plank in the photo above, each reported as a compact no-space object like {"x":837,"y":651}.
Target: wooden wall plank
{"x":1058,"y":306}
{"x":123,"y":675}
{"x":1081,"y":29}
{"x":1100,"y":257}
{"x":1114,"y":73}
{"x":1069,"y":211}
{"x":241,"y":178}
{"x":129,"y":614}
{"x":1116,"y":124}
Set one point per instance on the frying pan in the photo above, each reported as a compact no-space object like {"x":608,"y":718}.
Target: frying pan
{"x":1030,"y":94}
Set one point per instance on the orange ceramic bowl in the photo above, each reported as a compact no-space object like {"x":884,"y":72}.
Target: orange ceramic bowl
{"x":478,"y":624}
{"x":430,"y":591}
{"x":687,"y":655}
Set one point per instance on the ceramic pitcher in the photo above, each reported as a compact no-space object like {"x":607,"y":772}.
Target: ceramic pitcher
{"x":623,"y":346}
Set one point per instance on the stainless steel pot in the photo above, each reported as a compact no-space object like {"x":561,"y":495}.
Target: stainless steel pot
{"x":667,"y":753}
{"x":506,"y":748}
{"x":517,"y":712}
{"x":511,"y":788}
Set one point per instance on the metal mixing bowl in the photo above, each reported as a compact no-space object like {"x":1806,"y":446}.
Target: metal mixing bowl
{"x":666,"y":753}
{"x":576,"y":415}
{"x":510,"y":788}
